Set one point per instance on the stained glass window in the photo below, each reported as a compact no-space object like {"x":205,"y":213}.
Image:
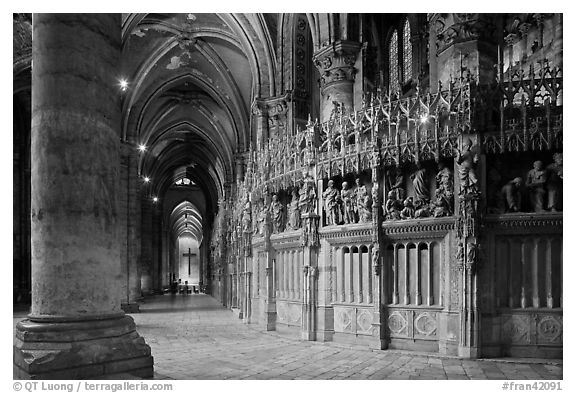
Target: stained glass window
{"x":393,"y":62}
{"x":407,"y":46}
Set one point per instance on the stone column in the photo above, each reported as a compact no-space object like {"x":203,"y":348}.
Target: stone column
{"x":131,"y":237}
{"x":260,"y":123}
{"x":76,"y":328}
{"x":310,"y":242}
{"x":337,"y":73}
{"x":380,"y":318}
{"x":270,"y":313}
{"x":146,"y":250}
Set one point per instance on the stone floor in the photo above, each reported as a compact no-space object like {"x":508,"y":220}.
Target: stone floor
{"x":193,"y":337}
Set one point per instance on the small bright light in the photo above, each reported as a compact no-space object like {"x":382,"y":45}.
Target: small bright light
{"x":123,"y":84}
{"x":423,"y":118}
{"x":146,"y":179}
{"x":155,"y":199}
{"x":142,"y":147}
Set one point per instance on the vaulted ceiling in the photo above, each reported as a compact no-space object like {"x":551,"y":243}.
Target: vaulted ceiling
{"x":192,"y":79}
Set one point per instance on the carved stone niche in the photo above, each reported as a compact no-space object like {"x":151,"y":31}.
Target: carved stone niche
{"x":531,"y":182}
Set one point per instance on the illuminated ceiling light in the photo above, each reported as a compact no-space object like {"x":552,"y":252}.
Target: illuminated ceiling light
{"x":423,"y":118}
{"x":123,"y":84}
{"x":155,"y":199}
{"x":142,"y":148}
{"x":146,"y":179}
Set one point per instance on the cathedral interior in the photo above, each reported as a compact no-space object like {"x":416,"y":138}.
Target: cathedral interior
{"x":383,"y":181}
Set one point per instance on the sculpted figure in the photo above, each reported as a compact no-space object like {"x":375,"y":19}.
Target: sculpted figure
{"x":441,"y":207}
{"x":332,"y":204}
{"x":422,"y":209}
{"x":395,"y":180}
{"x":307,"y":200}
{"x":277,"y":212}
{"x":247,"y":217}
{"x":392,"y":207}
{"x":408,"y":210}
{"x":444,"y":180}
{"x":467,"y":160}
{"x":363,"y":202}
{"x":262,"y":219}
{"x":510,"y":196}
{"x":349,"y":203}
{"x":554,"y":184}
{"x":294,"y":211}
{"x":535,"y":182}
{"x":419,"y":180}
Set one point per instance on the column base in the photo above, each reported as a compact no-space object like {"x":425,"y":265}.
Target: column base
{"x":308,"y":336}
{"x":80,"y":349}
{"x":468,"y":352}
{"x":270,"y":320}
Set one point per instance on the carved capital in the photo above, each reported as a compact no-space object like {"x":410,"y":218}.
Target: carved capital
{"x":336,"y":62}
{"x":454,"y":28}
{"x":274,"y":107}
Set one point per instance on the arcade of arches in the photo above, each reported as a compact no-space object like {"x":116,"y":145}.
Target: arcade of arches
{"x":391,"y":181}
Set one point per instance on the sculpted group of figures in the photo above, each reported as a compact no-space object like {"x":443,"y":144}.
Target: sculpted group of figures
{"x":303,"y":202}
{"x":354,"y":204}
{"x":347,"y":206}
{"x":399,"y":207}
{"x":543,"y":185}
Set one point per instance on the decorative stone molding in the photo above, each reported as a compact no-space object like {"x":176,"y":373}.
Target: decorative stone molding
{"x":347,"y":234}
{"x":425,"y":228}
{"x":525,"y":222}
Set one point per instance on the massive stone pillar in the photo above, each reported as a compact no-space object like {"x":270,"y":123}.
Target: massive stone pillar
{"x":76,"y":328}
{"x":337,"y":73}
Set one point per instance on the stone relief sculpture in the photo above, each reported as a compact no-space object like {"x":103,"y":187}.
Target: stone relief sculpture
{"x":262,"y":219}
{"x":392,"y":207}
{"x":441,"y":206}
{"x":554,"y":183}
{"x":307,"y":199}
{"x":535,"y":182}
{"x":420,"y":182}
{"x":332,"y":204}
{"x":511,"y":196}
{"x":293,"y":212}
{"x":444,"y":194}
{"x":467,"y":160}
{"x":422,"y":204}
{"x":408,"y":210}
{"x":363,"y":202}
{"x":421,"y":209}
{"x":348,"y":198}
{"x":277,"y":213}
{"x":395,"y":182}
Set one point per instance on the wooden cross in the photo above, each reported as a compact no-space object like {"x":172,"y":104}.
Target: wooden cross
{"x":189,"y":255}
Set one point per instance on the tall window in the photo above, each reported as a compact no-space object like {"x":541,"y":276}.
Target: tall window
{"x":393,"y":62}
{"x":400,"y":57}
{"x":407,"y":63}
